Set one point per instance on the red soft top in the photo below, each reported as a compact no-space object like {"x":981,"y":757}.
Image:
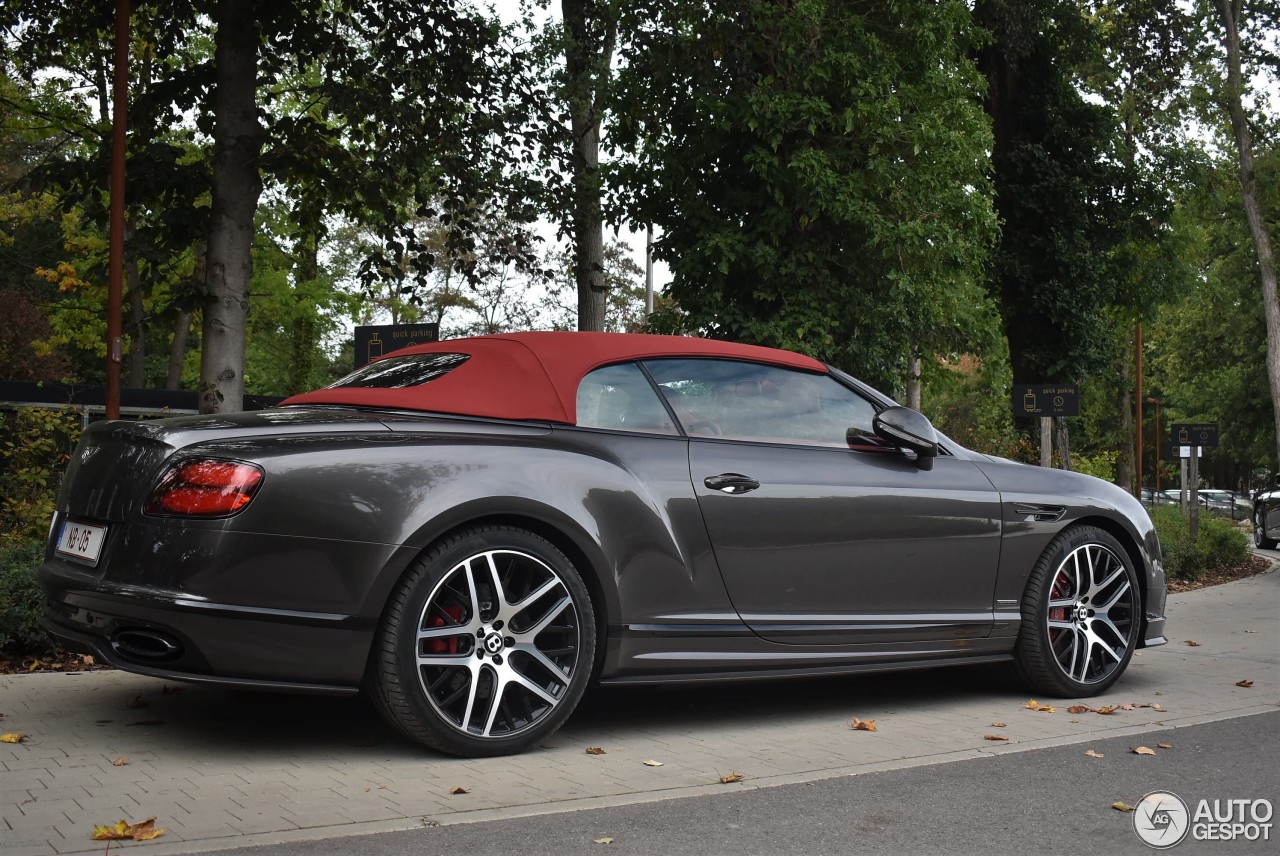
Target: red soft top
{"x":534,"y":375}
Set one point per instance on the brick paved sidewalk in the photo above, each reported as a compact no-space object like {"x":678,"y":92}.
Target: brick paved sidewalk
{"x":221,"y":769}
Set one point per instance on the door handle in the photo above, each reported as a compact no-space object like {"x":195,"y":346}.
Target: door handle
{"x":731,"y":483}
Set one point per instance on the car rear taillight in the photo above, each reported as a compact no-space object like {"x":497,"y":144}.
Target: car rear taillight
{"x":204,"y":488}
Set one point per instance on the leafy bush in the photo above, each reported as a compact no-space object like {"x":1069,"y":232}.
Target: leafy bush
{"x":1219,"y":544}
{"x":21,"y":602}
{"x":37,"y":445}
{"x":1102,"y":465}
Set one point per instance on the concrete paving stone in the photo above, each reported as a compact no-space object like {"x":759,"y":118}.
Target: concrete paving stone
{"x":62,"y":792}
{"x":28,"y":848}
{"x":37,"y":779}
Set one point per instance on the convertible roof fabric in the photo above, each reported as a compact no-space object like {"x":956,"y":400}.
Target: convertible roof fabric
{"x":535,"y":375}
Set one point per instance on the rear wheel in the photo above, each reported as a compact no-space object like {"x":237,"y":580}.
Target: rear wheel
{"x":1260,"y":539}
{"x":1081,"y":615}
{"x":486,"y":645}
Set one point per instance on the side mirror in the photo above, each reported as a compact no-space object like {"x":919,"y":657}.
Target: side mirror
{"x":908,"y":429}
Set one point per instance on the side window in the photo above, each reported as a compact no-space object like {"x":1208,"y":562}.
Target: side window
{"x":621,"y":399}
{"x":749,"y":401}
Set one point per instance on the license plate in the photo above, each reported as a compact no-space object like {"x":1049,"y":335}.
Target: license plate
{"x":81,"y":541}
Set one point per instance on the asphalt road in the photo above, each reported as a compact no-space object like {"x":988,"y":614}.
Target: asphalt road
{"x":1034,"y":803}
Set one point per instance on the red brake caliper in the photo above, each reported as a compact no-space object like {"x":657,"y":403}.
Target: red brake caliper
{"x":1058,"y":613}
{"x":449,"y":645}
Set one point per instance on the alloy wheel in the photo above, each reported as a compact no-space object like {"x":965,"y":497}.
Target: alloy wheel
{"x":497,"y":644}
{"x":1091,"y":612}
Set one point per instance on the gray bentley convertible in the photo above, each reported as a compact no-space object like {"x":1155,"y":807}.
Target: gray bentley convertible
{"x":473,"y":531}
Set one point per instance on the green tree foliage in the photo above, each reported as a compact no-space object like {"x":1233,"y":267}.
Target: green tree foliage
{"x":1209,"y":345}
{"x":817,"y":170}
{"x":1058,"y":177}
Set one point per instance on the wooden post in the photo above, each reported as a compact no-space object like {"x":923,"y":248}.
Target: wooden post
{"x":1046,"y":441}
{"x":1194,"y":478}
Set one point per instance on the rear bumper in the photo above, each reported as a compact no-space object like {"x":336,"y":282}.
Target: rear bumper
{"x":206,"y":642}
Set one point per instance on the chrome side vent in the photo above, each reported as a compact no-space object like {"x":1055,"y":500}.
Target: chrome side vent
{"x":1031,"y":512}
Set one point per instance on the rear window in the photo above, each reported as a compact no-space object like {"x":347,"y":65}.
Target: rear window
{"x":400,"y":371}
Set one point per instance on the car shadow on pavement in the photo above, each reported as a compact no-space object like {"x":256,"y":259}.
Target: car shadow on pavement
{"x":250,"y":722}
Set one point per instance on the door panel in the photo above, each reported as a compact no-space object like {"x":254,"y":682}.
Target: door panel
{"x":848,"y":547}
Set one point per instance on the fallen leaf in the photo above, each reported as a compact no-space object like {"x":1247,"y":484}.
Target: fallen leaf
{"x":862,"y":724}
{"x":1143,"y":750}
{"x":1245,"y":684}
{"x":1092,"y":754}
{"x":1079,"y":708}
{"x":1191,"y":643}
{"x":1032,"y":705}
{"x":459,"y":790}
{"x":1047,"y":708}
{"x":121,"y":761}
{"x":731,"y":778}
{"x":594,"y":750}
{"x":994,"y":737}
{"x":605,"y":840}
{"x":123,"y":830}
{"x":1119,"y":806}
{"x":1073,"y":720}
{"x":1157,"y":692}
{"x":1127,"y":707}
{"x":1164,"y":745}
{"x":138,"y":703}
{"x":12,"y":737}
{"x":35,"y":664}
{"x":1108,"y":710}
{"x":998,"y":725}
{"x":1159,"y":707}
{"x":652,"y":763}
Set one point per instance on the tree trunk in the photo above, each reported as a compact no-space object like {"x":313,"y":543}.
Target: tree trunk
{"x":302,"y":327}
{"x":178,"y":350}
{"x":1062,"y":442}
{"x":590,"y":33}
{"x":237,"y":142}
{"x":1229,"y":12}
{"x":913,"y":378}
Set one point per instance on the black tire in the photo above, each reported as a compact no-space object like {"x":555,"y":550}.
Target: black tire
{"x":486,"y":645}
{"x":1081,"y":615}
{"x":1260,"y":539}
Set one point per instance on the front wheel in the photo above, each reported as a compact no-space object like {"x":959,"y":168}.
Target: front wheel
{"x":486,"y":645}
{"x":1081,"y":615}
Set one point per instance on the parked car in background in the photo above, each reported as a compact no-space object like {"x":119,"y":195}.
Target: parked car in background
{"x":475,"y":530}
{"x":1152,"y":497}
{"x":1226,"y":503}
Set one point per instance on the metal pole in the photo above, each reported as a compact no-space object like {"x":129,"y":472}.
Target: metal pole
{"x":115,"y":260}
{"x":648,"y":271}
